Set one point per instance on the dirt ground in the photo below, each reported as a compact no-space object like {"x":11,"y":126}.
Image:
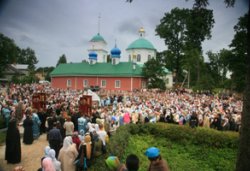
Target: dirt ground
{"x":31,"y":155}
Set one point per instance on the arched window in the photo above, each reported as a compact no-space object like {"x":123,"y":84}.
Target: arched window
{"x":138,"y":58}
{"x":113,"y":61}
{"x":104,"y":58}
{"x":85,"y":83}
{"x":68,"y":83}
{"x":149,"y":57}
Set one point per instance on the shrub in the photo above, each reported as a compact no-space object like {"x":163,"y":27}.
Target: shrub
{"x":186,"y":135}
{"x":2,"y":122}
{"x":176,"y":140}
{"x":2,"y":137}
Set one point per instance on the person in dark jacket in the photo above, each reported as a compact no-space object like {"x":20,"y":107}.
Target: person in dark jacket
{"x":55,"y":139}
{"x":193,"y":122}
{"x":42,"y":116}
{"x":28,"y":133}
{"x":13,"y":145}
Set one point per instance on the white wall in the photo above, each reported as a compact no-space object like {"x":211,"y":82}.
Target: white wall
{"x":144,"y":54}
{"x":100,"y":49}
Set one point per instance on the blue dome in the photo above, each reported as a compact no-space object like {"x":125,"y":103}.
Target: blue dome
{"x":93,"y":55}
{"x":115,"y":52}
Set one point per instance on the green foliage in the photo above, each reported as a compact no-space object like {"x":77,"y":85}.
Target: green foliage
{"x":172,"y":29}
{"x":238,"y":59}
{"x":184,"y":148}
{"x":2,"y":133}
{"x":184,"y":30}
{"x":116,"y":146}
{"x":194,"y":63}
{"x":2,"y":122}
{"x":62,"y":60}
{"x":25,"y":80}
{"x":8,"y":52}
{"x":181,"y":157}
{"x":199,"y":24}
{"x":27,"y":56}
{"x":2,"y":137}
{"x":153,"y":71}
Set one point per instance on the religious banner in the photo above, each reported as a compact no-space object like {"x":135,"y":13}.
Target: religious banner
{"x":85,"y":105}
{"x":39,"y":101}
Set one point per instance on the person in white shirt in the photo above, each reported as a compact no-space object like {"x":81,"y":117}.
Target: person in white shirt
{"x":69,"y":127}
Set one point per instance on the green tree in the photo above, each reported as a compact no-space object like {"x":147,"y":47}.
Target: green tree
{"x":172,"y":29}
{"x":237,"y":60}
{"x":243,"y":158}
{"x":224,"y":66}
{"x":8,"y":52}
{"x":109,"y":59}
{"x":168,"y":59}
{"x":193,"y":62}
{"x":153,"y":71}
{"x":181,"y":34}
{"x":27,"y":56}
{"x":62,"y":60}
{"x":218,"y":66}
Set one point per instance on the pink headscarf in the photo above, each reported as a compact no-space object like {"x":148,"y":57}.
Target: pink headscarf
{"x":47,"y":164}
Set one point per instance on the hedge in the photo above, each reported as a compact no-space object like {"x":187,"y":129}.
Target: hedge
{"x":2,"y":122}
{"x":183,"y":135}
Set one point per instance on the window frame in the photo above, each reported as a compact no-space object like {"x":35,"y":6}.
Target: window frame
{"x":85,"y":81}
{"x":138,"y":58}
{"x":113,"y":61}
{"x":103,"y":86}
{"x":149,"y":57}
{"x":116,"y":83}
{"x":68,"y":83}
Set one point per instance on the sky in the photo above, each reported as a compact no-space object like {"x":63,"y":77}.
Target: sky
{"x":56,"y":27}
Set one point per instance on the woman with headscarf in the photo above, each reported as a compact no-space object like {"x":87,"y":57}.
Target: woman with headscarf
{"x":68,"y":154}
{"x":56,"y":163}
{"x":13,"y":145}
{"x":83,"y":160}
{"x":36,"y":124}
{"x":113,"y":164}
{"x":47,"y":164}
{"x":28,"y":133}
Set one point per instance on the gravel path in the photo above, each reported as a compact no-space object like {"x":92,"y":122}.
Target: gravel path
{"x":31,"y":155}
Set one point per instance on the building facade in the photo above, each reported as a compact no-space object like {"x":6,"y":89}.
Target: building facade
{"x":116,"y":75}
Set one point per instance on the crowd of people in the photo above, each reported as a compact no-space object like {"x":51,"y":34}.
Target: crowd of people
{"x":76,"y":138}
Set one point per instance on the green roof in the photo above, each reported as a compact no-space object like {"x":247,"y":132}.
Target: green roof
{"x":141,"y":43}
{"x":123,"y":69}
{"x":97,"y":38}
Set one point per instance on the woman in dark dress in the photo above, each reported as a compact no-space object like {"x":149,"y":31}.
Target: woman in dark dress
{"x":13,"y":145}
{"x":28,"y":133}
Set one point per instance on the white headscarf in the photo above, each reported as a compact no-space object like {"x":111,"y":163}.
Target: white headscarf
{"x":46,"y":151}
{"x":52,"y":154}
{"x":67,"y":142}
{"x":56,"y":163}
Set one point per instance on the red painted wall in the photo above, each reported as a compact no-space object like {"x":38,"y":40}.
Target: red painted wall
{"x":126,"y":83}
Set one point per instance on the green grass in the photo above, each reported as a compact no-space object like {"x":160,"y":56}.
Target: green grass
{"x":181,"y":157}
